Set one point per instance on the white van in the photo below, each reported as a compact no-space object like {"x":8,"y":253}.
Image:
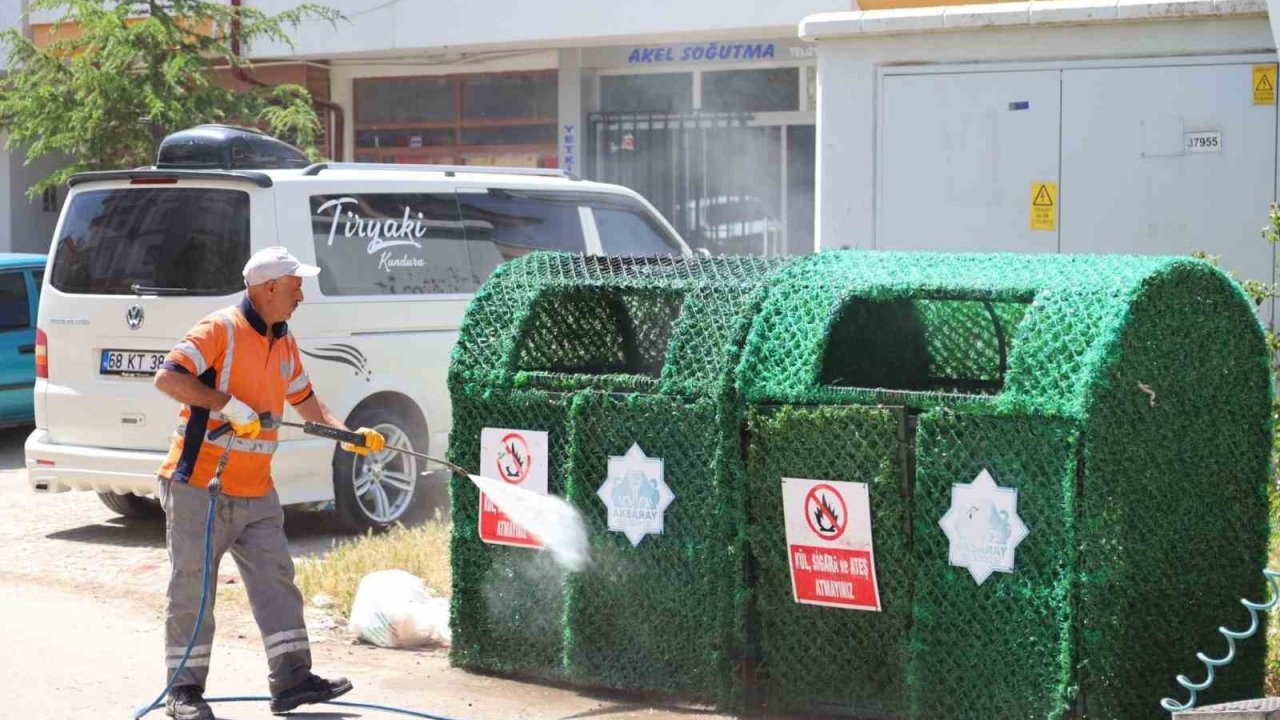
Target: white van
{"x":140,"y":255}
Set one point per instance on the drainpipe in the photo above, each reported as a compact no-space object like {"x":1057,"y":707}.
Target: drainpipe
{"x":336,"y":127}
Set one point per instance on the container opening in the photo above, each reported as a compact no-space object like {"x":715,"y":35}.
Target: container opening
{"x":595,"y":331}
{"x":940,"y":345}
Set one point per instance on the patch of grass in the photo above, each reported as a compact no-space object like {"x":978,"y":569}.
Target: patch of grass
{"x":421,"y":551}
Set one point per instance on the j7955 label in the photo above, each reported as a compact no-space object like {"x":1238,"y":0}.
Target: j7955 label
{"x":1202,"y":142}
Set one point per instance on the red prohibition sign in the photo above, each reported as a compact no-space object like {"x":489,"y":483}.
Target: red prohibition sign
{"x":514,"y":459}
{"x":826,"y":519}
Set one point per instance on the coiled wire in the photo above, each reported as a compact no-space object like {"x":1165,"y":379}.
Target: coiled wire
{"x":1212,"y":664}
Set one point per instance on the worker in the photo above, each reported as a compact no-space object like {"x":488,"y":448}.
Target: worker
{"x":232,"y":367}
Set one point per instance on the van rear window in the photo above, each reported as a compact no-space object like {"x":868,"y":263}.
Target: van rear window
{"x":188,"y":241}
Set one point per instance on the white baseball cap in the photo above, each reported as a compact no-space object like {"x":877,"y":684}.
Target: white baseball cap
{"x":273,"y":263}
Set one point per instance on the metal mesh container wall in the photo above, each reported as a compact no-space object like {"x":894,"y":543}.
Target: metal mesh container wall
{"x":603,"y":353}
{"x":1128,"y":401}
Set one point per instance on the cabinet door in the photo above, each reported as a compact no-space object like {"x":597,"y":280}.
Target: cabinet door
{"x":1008,"y":634}
{"x":1167,"y":161}
{"x":958,"y":156}
{"x":664,"y":615}
{"x":820,"y":659}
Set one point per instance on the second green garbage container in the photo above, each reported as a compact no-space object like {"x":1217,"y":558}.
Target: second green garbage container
{"x":1062,"y":461}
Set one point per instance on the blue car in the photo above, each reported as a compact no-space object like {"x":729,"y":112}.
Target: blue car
{"x":20,"y":278}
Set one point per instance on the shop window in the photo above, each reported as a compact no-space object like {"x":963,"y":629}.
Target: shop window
{"x":405,"y":100}
{"x":510,"y":135}
{"x":775,"y":89}
{"x":665,"y":92}
{"x":502,"y":119}
{"x":415,"y":138}
{"x":509,"y":97}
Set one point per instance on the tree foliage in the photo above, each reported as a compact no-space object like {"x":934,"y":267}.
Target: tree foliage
{"x":119,"y":75}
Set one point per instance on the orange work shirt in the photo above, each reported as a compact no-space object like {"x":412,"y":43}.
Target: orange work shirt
{"x":234,"y":351}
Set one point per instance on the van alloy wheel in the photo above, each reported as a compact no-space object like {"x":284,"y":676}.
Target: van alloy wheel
{"x":384,"y":482}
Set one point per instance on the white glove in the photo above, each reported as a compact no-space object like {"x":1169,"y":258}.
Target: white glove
{"x":244,"y":419}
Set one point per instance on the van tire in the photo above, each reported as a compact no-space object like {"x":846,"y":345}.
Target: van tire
{"x":402,"y":426}
{"x":132,"y":506}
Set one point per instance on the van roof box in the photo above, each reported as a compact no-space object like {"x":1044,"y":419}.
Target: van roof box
{"x":226,"y":147}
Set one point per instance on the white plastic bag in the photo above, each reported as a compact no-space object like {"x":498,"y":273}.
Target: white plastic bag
{"x":393,"y":609}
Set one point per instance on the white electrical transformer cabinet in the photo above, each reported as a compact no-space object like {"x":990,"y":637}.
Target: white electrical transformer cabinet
{"x":1149,"y":159}
{"x":938,"y":141}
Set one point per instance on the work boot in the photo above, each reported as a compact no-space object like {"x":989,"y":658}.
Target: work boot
{"x":312,"y":690}
{"x":186,"y":702}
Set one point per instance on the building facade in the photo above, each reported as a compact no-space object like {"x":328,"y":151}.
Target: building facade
{"x":708,"y":108}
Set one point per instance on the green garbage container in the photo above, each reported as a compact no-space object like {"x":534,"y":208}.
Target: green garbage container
{"x":1065,"y":460}
{"x":627,"y":365}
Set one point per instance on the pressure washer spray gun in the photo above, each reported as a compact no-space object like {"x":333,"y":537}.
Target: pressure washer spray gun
{"x":324,"y":431}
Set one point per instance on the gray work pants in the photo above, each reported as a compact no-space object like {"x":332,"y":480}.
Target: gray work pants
{"x":253,"y":530}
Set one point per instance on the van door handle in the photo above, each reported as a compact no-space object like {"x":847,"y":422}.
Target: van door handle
{"x":26,"y":349}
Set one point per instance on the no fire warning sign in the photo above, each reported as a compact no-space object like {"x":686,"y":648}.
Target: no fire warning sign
{"x":829,"y":543}
{"x":518,"y":457}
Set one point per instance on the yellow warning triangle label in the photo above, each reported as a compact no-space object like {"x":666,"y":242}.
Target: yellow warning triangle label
{"x":1264,"y":84}
{"x":1043,"y":210}
{"x":1043,"y":198}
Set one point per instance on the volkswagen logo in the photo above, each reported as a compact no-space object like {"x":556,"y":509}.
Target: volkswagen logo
{"x":134,"y":317}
